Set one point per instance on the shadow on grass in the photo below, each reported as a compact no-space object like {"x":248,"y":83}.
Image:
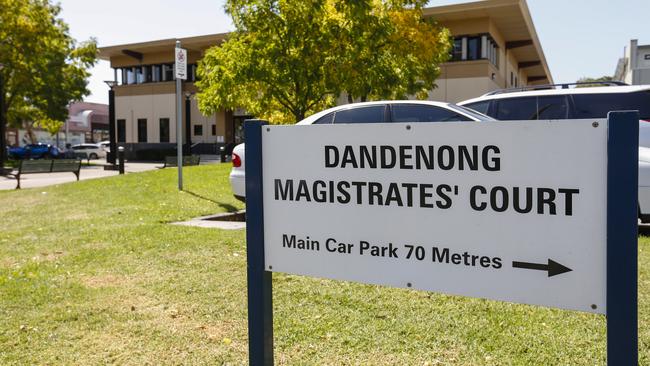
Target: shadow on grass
{"x":226,"y":206}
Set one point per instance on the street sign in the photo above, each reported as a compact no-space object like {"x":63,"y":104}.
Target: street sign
{"x":181,"y":63}
{"x":181,"y":74}
{"x":534,"y":212}
{"x":492,"y":210}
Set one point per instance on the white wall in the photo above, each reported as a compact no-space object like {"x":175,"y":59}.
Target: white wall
{"x":151,"y":107}
{"x":197,"y":118}
{"x":154,"y":107}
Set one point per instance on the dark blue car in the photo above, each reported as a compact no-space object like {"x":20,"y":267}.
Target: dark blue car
{"x":34,"y":151}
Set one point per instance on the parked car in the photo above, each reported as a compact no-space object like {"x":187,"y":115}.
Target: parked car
{"x":548,"y":102}
{"x":560,"y":101}
{"x":34,"y":151}
{"x":644,"y":184}
{"x":106,"y":145}
{"x":368,"y":112}
{"x":89,"y":151}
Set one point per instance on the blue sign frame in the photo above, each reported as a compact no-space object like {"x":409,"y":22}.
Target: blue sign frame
{"x":622,"y":244}
{"x":622,"y":237}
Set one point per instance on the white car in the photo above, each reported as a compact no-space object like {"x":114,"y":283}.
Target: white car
{"x":367,"y":112}
{"x":106,"y":145}
{"x":644,"y":184}
{"x":91,"y":151}
{"x":563,"y":102}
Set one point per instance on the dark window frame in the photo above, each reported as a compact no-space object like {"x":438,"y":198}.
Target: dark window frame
{"x":164,"y":137}
{"x":142,"y":131}
{"x":476,"y":55}
{"x":121,"y":130}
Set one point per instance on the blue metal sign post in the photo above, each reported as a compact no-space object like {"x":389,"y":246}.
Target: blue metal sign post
{"x":622,"y":245}
{"x":622,"y":239}
{"x":260,"y":295}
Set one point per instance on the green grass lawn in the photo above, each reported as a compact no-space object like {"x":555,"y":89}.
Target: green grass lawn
{"x":91,"y":273}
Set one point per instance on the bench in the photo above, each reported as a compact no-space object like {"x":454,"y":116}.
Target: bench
{"x":48,"y":166}
{"x":171,"y":161}
{"x":82,"y":156}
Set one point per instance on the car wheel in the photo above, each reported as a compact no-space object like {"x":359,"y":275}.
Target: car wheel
{"x":93,"y":156}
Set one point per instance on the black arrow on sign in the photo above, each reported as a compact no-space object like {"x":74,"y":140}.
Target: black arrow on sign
{"x":553,"y":268}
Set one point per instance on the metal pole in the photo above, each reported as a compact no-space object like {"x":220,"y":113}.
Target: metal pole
{"x":67,"y":131}
{"x":179,"y":127}
{"x":3,"y":123}
{"x":188,"y":125}
{"x":622,"y":239}
{"x":112,"y":138}
{"x":120,"y":155}
{"x":260,"y":290}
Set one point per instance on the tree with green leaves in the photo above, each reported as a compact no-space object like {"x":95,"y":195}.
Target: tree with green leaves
{"x":586,"y":80}
{"x":287,"y":59}
{"x":44,"y":68}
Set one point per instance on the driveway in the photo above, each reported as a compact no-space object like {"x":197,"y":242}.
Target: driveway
{"x":87,"y":172}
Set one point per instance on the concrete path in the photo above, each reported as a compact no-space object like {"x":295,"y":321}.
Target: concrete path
{"x":87,"y":172}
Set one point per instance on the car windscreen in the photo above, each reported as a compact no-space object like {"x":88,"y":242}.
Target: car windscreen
{"x":472,"y":112}
{"x":598,"y":105}
{"x":481,"y":107}
{"x":424,"y":113}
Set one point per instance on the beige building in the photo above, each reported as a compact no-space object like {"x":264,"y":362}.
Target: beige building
{"x":634,"y":67}
{"x":495,"y":46}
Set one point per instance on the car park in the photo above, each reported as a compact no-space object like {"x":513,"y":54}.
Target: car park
{"x":398,"y":111}
{"x":549,"y":102}
{"x":34,"y":151}
{"x":89,"y":151}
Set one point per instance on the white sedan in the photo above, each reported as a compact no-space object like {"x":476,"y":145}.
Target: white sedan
{"x":368,"y":112}
{"x":90,"y":151}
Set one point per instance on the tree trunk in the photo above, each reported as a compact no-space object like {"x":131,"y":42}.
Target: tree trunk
{"x":30,"y":132}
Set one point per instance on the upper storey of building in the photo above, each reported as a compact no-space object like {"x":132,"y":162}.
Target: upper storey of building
{"x":492,"y":38}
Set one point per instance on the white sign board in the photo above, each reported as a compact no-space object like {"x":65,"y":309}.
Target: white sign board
{"x":181,"y":63}
{"x":512,"y":211}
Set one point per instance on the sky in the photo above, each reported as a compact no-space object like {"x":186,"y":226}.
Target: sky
{"x":579,"y":37}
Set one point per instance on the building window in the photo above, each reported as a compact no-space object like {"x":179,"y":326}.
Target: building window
{"x":198,"y":130}
{"x":130,"y":76}
{"x":124,"y":77}
{"x":457,"y":50}
{"x":213,"y":129}
{"x":121,"y":130}
{"x":146,"y":71}
{"x":479,"y":47}
{"x":474,"y":48}
{"x":152,"y":73}
{"x":156,"y":71}
{"x":139,"y":75}
{"x":168,"y":72}
{"x":142,"y":130}
{"x":191,"y":72}
{"x":164,"y":130}
{"x":512,"y":79}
